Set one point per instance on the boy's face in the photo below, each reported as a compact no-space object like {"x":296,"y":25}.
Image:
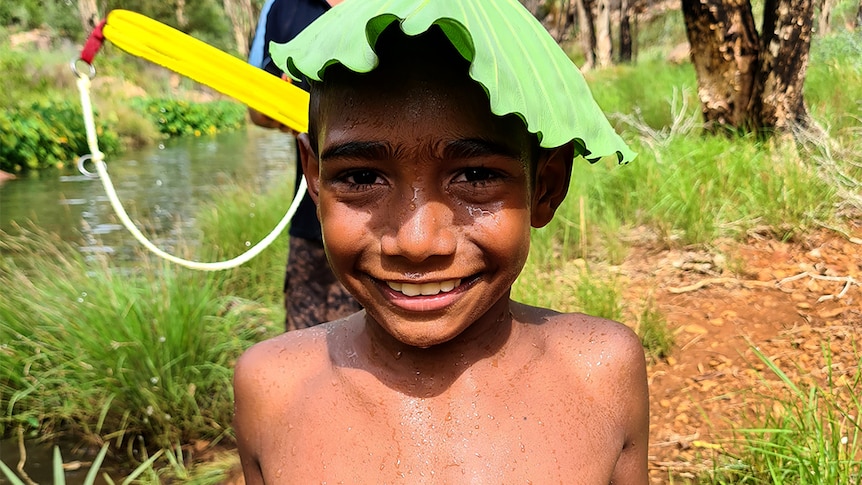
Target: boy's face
{"x":426,"y":200}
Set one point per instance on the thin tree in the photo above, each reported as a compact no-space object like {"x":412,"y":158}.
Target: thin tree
{"x":626,"y":40}
{"x":89,"y":14}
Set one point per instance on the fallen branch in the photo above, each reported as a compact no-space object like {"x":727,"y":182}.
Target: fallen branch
{"x":848,"y":281}
{"x":721,"y":281}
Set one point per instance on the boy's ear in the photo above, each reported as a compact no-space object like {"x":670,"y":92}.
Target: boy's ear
{"x":553,"y":172}
{"x":310,"y":166}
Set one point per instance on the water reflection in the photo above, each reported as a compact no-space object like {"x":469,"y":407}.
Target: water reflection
{"x":162,"y":186}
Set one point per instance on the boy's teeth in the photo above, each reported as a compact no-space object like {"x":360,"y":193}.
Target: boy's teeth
{"x":425,"y":289}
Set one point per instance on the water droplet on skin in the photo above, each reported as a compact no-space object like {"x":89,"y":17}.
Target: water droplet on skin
{"x":397,"y":355}
{"x":412,"y":206}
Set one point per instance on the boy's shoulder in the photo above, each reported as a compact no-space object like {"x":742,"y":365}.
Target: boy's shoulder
{"x":572,"y":324}
{"x":580,"y":339}
{"x":300,"y":351}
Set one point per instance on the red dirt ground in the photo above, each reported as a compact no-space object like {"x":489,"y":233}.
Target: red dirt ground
{"x":713,"y":380}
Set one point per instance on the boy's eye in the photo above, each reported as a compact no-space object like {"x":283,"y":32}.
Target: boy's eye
{"x":361,"y":177}
{"x":477,"y":174}
{"x":358,"y":179}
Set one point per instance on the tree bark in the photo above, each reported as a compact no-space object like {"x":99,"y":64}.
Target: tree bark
{"x":89,"y":14}
{"x":241,"y":15}
{"x":625,"y":32}
{"x":604,"y":44}
{"x":858,"y":23}
{"x":587,"y":29}
{"x":824,"y":23}
{"x":724,"y":51}
{"x":181,"y":14}
{"x":777,"y":101}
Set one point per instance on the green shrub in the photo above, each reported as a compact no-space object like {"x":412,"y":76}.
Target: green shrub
{"x":176,"y":118}
{"x":47,"y":134}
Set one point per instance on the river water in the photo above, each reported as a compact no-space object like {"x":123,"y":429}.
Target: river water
{"x":163,"y":187}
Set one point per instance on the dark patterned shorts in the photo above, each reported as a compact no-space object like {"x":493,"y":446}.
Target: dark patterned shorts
{"x":312,"y":294}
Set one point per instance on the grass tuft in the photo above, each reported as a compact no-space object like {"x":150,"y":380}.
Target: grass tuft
{"x":812,"y":435}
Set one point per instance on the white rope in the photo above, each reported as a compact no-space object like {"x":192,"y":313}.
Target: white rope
{"x":98,"y":157}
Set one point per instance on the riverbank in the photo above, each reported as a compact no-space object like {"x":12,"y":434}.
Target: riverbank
{"x":136,"y":105}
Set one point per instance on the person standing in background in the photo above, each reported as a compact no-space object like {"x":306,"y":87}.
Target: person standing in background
{"x":312,"y":294}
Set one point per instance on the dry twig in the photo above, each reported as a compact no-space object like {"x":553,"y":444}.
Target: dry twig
{"x":848,"y":281}
{"x":22,"y":453}
{"x":721,"y":281}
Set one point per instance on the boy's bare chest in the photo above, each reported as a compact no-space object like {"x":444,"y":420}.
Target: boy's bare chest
{"x":521,"y":432}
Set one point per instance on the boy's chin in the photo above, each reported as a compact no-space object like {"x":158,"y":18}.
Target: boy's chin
{"x":423,"y":340}
{"x":422,"y":335}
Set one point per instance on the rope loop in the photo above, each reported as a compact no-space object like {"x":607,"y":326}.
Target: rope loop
{"x":91,"y":73}
{"x":97,"y":158}
{"x":86,"y":173}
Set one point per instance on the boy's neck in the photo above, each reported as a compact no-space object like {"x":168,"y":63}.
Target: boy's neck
{"x":424,"y":372}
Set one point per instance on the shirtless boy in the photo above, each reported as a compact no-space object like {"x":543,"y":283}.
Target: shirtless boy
{"x":426,"y":200}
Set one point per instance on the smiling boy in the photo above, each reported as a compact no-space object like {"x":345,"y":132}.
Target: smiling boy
{"x":426,"y":199}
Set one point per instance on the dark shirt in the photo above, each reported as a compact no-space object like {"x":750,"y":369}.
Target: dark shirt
{"x":281,"y":21}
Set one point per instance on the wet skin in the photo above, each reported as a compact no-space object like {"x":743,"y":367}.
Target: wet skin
{"x":423,"y":190}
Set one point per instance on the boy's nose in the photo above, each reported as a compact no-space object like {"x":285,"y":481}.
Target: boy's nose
{"x":421,"y":230}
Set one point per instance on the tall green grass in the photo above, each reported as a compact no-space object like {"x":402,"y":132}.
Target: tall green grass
{"x":812,"y":436}
{"x":241,"y":218}
{"x":116,"y":354}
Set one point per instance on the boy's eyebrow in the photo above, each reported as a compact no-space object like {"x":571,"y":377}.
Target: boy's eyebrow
{"x":368,"y":150}
{"x":464,"y":148}
{"x":467,"y":148}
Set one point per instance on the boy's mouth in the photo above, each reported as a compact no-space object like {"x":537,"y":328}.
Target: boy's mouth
{"x":424,"y":289}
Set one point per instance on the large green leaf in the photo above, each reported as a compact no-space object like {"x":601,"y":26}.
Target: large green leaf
{"x":517,"y":62}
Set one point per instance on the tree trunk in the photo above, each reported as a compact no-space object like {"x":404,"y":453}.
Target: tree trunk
{"x":824,"y":23}
{"x":604,"y":44}
{"x":777,"y":100}
{"x":89,"y":14}
{"x":240,"y":13}
{"x":724,"y":51}
{"x":587,"y":28}
{"x":859,"y":16}
{"x":625,"y":32}
{"x":181,"y":14}
{"x":564,"y":21}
